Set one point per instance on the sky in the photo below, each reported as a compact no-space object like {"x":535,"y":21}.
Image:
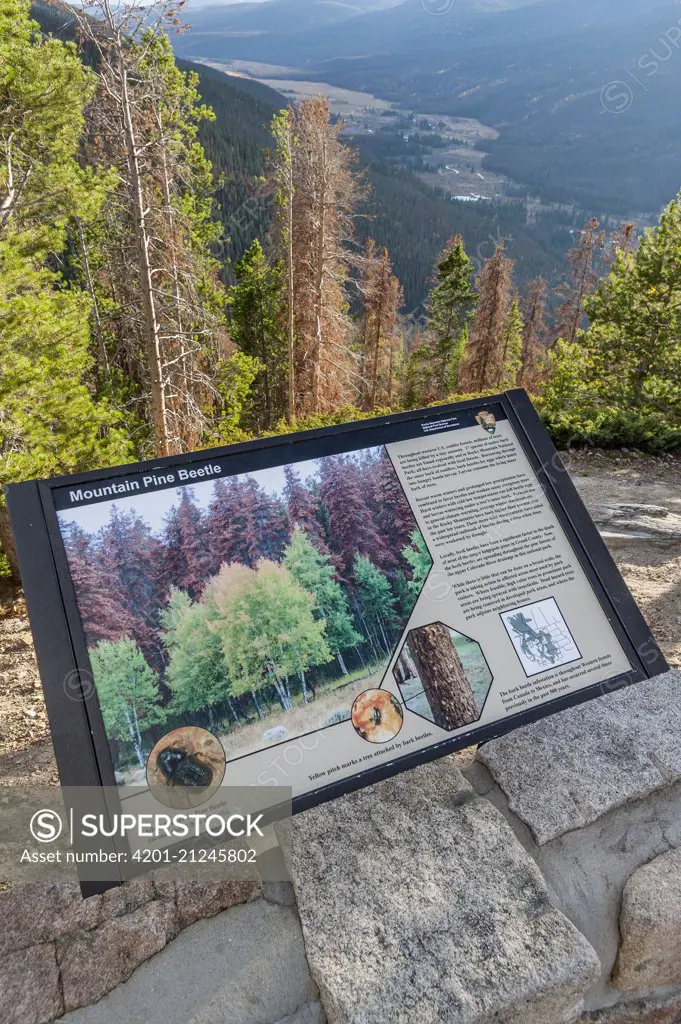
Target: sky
{"x":155,"y":505}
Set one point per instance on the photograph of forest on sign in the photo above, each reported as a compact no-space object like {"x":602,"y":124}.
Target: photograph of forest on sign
{"x":256,"y":606}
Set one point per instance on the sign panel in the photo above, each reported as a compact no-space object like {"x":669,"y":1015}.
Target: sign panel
{"x":320,"y":610}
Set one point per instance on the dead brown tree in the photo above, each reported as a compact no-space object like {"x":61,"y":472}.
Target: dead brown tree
{"x":317,"y":190}
{"x":483,"y":360}
{"x":581,"y":281}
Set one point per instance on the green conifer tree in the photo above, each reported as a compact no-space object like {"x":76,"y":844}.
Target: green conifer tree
{"x":626,"y":367}
{"x":376,"y":602}
{"x":49,"y":422}
{"x":258,"y":327}
{"x":316,"y":574}
{"x":450,"y":307}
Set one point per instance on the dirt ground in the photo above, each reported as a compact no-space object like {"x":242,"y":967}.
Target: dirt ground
{"x":652,"y":570}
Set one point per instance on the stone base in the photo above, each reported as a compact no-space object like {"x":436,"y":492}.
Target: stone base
{"x":653,"y":1010}
{"x":419,"y":905}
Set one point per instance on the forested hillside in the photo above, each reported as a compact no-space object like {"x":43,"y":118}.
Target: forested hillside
{"x":413,"y":220}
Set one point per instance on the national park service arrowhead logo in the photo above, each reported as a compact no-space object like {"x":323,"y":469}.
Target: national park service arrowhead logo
{"x":487,"y":421}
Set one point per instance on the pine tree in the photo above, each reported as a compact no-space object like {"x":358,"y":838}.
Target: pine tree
{"x":512,"y":341}
{"x":630,"y":357}
{"x":245,"y":524}
{"x":282,"y":178}
{"x":381,"y":296}
{"x":315,"y":574}
{"x":436,"y":355}
{"x":419,"y":559}
{"x":317,"y":192}
{"x":582,"y":280}
{"x":535,"y":345}
{"x":451,"y":305}
{"x":50,"y":422}
{"x":482,"y":364}
{"x":419,"y":378}
{"x":131,"y":559}
{"x":352,"y":526}
{"x":375,"y":603}
{"x":256,"y":326}
{"x":187,"y":560}
{"x":304,"y":509}
{"x":44,"y":90}
{"x":392,"y":512}
{"x":100,"y":601}
{"x":164,"y":300}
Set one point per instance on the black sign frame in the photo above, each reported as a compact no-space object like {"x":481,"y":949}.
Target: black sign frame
{"x":80,"y":743}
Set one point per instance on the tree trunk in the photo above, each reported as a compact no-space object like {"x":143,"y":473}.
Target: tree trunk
{"x":283,"y":695}
{"x":320,"y":263}
{"x":151,"y":326}
{"x":177,"y":291}
{"x":134,"y":738}
{"x":377,"y":339}
{"x":99,"y":334}
{"x":232,"y":707}
{"x":360,"y":655}
{"x":342,"y":664}
{"x":137,"y":726}
{"x":290,"y":290}
{"x":446,"y":687}
{"x":257,"y":705}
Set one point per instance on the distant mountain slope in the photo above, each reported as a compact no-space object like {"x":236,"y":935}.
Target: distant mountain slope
{"x":584,"y":93}
{"x":287,"y":16}
{"x":295,"y":32}
{"x":412,"y":220}
{"x":302,"y":32}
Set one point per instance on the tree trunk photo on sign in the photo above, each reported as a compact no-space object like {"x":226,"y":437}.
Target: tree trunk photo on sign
{"x":447,"y":689}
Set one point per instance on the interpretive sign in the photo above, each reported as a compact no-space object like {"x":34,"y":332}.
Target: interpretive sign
{"x":319,"y":610}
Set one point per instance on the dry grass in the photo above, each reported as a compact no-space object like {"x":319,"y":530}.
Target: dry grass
{"x":302,"y":719}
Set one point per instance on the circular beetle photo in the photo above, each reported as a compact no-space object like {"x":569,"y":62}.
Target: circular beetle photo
{"x":377,"y":716}
{"x":186,"y":767}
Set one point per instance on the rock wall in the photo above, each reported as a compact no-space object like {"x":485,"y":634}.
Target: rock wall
{"x":59,"y":951}
{"x":540,"y":884}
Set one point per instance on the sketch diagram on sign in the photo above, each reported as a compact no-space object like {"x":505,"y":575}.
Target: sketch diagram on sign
{"x":540,"y":636}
